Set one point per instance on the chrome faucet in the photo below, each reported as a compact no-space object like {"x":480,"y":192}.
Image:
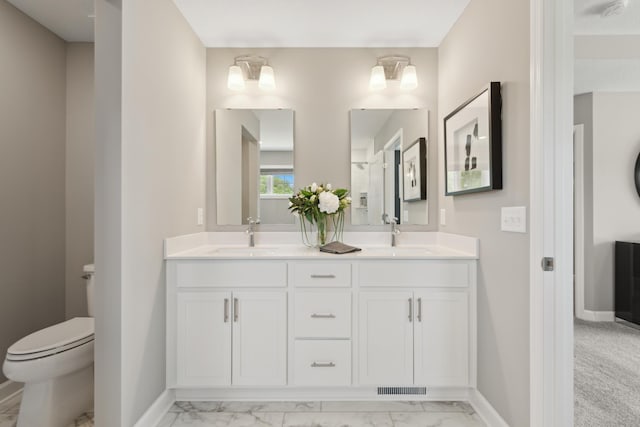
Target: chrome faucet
{"x":250,"y":230}
{"x":395,"y":231}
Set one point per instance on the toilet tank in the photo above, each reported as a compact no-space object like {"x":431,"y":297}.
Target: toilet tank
{"x":89,"y":272}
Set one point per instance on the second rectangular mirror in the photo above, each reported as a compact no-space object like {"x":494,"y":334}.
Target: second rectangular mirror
{"x":254,"y":166}
{"x":389,"y":166}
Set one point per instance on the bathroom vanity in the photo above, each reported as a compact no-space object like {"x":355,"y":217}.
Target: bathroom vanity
{"x":282,"y":321}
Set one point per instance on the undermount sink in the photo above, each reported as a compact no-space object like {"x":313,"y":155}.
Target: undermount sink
{"x":244,"y":251}
{"x":396,"y":251}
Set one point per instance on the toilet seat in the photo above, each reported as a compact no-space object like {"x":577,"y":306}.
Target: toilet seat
{"x":53,"y":340}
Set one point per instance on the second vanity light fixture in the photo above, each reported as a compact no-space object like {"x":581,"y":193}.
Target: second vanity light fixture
{"x":251,"y":67}
{"x":393,"y":67}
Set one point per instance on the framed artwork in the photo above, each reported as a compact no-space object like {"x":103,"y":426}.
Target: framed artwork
{"x":636,"y":175}
{"x":414,"y":171}
{"x":473,"y":144}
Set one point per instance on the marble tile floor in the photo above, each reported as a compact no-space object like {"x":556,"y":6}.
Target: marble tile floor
{"x":321,"y":414}
{"x":9,"y":414}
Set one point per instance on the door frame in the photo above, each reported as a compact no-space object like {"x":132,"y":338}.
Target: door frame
{"x":578,"y":207}
{"x":551,"y":218}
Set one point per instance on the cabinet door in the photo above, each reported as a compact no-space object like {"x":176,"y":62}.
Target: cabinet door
{"x":442,"y":338}
{"x":259,"y":338}
{"x":386,"y":338}
{"x":204,"y":339}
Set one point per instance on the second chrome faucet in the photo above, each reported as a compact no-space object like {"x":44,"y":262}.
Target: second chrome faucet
{"x":395,"y":231}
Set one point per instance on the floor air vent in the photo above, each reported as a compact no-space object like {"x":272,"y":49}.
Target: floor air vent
{"x":401,"y":390}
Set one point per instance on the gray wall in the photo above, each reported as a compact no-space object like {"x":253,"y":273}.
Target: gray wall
{"x":321,"y":86}
{"x":32,"y":177}
{"x":79,"y":172}
{"x":108,"y":213}
{"x":612,"y":205}
{"x":490,"y":42}
{"x":150,"y":182}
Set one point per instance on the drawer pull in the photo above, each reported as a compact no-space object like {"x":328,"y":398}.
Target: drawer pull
{"x":323,"y":276}
{"x":226,"y":310}
{"x":419,"y":309}
{"x":323,"y":316}
{"x":235,"y":309}
{"x":323,"y":365}
{"x":410,"y":310}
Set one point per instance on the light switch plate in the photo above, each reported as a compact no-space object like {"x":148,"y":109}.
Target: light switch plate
{"x":514,"y":219}
{"x":405,"y":215}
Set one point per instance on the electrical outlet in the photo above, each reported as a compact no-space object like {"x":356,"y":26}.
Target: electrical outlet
{"x":514,"y":219}
{"x":405,"y":216}
{"x":443,"y":217}
{"x":200,"y":216}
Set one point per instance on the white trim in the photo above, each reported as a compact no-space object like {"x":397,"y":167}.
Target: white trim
{"x":483,"y":408}
{"x":598,"y":316}
{"x":8,"y":389}
{"x":578,"y":206}
{"x":551,"y":200}
{"x":294,"y":394}
{"x":157,"y":410}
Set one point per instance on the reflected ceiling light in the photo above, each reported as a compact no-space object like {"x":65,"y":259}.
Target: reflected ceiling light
{"x":393,"y":67}
{"x":251,"y":67}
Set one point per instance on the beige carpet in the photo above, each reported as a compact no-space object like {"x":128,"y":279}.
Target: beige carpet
{"x":607,"y":375}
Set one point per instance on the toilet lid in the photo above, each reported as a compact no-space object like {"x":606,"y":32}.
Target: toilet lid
{"x":56,"y":336}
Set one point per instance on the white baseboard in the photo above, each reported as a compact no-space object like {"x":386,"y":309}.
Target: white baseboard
{"x":597,"y":316}
{"x":484,"y":409}
{"x":292,"y":393}
{"x":8,"y":389}
{"x":157,"y":410}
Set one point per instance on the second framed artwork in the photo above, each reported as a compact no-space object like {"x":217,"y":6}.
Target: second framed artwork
{"x":414,"y":171}
{"x":473,"y":144}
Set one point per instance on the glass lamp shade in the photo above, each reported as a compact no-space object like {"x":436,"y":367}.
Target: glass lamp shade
{"x":409,"y":78}
{"x":378,"y":80}
{"x":267,"y":80}
{"x":235,"y":81}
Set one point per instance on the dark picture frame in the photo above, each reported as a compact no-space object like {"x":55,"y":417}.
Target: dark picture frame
{"x":414,"y":171}
{"x":473,"y":144}
{"x":636,"y":175}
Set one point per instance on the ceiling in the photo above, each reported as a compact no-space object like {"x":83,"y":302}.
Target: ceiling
{"x":327,"y":23}
{"x":69,"y":19}
{"x":588,"y":18}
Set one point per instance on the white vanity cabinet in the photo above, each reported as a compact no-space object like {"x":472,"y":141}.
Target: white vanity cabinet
{"x":303,"y":323}
{"x":226,"y":334}
{"x":416,"y":331}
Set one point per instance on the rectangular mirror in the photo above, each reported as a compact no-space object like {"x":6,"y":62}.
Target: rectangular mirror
{"x":254,"y":165}
{"x":389,"y":166}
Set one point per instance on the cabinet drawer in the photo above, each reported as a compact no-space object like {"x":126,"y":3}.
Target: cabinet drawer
{"x":415,"y":273}
{"x":322,"y":314}
{"x":231,"y":273}
{"x":320,"y":273}
{"x":322,"y":362}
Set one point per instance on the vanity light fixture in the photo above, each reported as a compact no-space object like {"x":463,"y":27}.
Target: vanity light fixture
{"x":393,"y":67}
{"x":251,"y":67}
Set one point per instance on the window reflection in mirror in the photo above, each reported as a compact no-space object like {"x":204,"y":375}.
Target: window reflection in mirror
{"x":378,"y":140}
{"x":254,"y":165}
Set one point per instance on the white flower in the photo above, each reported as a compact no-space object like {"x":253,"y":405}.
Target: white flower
{"x":329,"y":202}
{"x":312,"y":198}
{"x":348,"y":199}
{"x":328,"y":187}
{"x":314,"y":187}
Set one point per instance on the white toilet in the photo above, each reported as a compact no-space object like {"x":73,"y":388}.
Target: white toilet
{"x":56,"y":366}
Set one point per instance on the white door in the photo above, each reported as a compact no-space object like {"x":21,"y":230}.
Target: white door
{"x":386,"y":338}
{"x":204,"y":339}
{"x":375,"y":202}
{"x":442,"y":338}
{"x":259,"y":338}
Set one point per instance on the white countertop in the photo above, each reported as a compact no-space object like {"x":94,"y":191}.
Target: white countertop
{"x":276,"y":245}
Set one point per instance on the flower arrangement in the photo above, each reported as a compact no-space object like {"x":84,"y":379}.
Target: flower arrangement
{"x":314,"y":205}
